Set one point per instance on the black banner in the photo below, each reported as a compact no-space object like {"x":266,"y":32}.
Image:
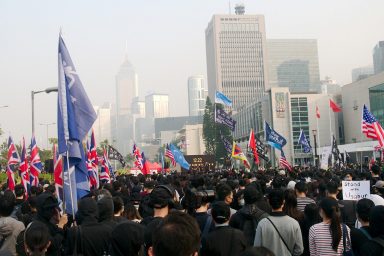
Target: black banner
{"x":201,"y":162}
{"x":223,"y":118}
{"x":115,"y":155}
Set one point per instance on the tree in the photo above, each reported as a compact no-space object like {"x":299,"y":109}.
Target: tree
{"x":52,"y":141}
{"x":212,"y":133}
{"x":209,"y":128}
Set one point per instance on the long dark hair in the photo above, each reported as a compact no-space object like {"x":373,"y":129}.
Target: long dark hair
{"x":331,"y":209}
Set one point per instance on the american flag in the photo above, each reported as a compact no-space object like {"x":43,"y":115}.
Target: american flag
{"x":371,"y":127}
{"x":169,"y":154}
{"x":283,"y":161}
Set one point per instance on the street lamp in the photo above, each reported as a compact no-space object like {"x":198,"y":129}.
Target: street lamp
{"x":48,"y":90}
{"x":47,"y":125}
{"x":315,"y":140}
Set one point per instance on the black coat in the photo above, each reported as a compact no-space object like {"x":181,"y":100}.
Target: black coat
{"x":223,"y":241}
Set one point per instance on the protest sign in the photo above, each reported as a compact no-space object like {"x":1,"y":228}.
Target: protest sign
{"x":355,"y":190}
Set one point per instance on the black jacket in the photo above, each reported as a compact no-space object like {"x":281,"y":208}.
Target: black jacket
{"x":246,"y":220}
{"x":92,"y":237}
{"x":223,"y":241}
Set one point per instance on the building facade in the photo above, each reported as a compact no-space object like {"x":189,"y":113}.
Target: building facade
{"x":191,"y":139}
{"x":156,"y":105}
{"x":378,"y":57}
{"x":288,"y":113}
{"x":103,"y":124}
{"x":197,"y":94}
{"x":126,"y":92}
{"x":236,"y":57}
{"x":361,"y":73}
{"x":293,"y":63}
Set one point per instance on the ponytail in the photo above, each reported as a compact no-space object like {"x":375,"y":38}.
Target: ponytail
{"x":331,"y":209}
{"x":335,"y":228}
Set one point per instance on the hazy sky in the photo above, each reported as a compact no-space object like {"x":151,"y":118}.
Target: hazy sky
{"x":165,"y":42}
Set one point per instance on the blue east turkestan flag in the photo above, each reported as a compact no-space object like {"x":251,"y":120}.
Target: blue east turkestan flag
{"x":179,"y":157}
{"x":304,"y":142}
{"x":221,"y":98}
{"x":75,"y":117}
{"x":273,"y":138}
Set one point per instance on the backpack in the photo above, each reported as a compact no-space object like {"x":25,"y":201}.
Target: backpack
{"x":250,"y":224}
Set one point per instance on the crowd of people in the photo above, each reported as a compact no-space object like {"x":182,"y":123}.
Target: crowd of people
{"x":222,"y":212}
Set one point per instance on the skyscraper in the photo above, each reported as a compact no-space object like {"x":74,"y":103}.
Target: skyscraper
{"x":103,"y":124}
{"x":126,"y":92}
{"x":156,"y":105}
{"x":378,"y":57}
{"x":361,"y":73}
{"x":293,"y":63}
{"x":197,"y":94}
{"x":236,"y":56}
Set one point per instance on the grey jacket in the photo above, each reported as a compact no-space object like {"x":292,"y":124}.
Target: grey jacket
{"x":289,"y":228}
{"x":9,"y":230}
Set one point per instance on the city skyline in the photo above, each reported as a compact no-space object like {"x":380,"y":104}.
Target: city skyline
{"x":163,"y":42}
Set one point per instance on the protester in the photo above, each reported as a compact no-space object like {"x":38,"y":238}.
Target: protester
{"x":248,"y":217}
{"x":223,"y":240}
{"x":178,"y":235}
{"x":360,"y":236}
{"x":301,"y":190}
{"x":37,"y":239}
{"x":9,"y":226}
{"x":375,"y":246}
{"x":118,"y":209}
{"x":279,"y":232}
{"x":131,"y":213}
{"x":311,"y":217}
{"x":127,"y":239}
{"x":326,"y":238}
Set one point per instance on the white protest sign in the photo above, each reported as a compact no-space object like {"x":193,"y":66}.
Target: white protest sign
{"x":356,"y":190}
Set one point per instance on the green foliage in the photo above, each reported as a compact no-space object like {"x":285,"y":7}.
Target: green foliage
{"x":52,"y":141}
{"x":212,"y":133}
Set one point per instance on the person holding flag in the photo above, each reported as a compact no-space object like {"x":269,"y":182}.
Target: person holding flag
{"x":75,"y":117}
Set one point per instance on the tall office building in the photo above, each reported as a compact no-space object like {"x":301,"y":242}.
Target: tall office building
{"x":361,"y":73}
{"x":126,"y":92}
{"x":103,"y":124}
{"x":236,"y":56}
{"x":196,"y":95}
{"x":156,"y":105}
{"x":126,"y":88}
{"x":293,"y":63}
{"x":378,"y":57}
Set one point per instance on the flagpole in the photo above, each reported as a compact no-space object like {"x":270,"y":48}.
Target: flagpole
{"x":70,"y":186}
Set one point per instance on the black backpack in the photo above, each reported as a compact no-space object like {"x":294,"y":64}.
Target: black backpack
{"x":250,"y":224}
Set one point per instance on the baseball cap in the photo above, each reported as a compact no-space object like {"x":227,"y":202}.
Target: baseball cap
{"x":46,"y":200}
{"x":379,"y":184}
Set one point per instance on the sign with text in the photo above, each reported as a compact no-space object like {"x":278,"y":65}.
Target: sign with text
{"x":355,"y":190}
{"x":201,"y":162}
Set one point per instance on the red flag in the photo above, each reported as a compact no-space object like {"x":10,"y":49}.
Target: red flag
{"x":317,"y":112}
{"x":252,"y":146}
{"x":334,"y":106}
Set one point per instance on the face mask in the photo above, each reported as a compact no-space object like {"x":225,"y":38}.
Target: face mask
{"x":241,"y":202}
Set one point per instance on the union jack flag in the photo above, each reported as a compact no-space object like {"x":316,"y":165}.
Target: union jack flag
{"x":169,"y":154}
{"x":92,"y":162}
{"x":371,"y":127}
{"x":58,"y":172}
{"x":106,"y":174}
{"x":35,"y":163}
{"x":13,"y":159}
{"x":138,"y":157}
{"x":283,"y":162}
{"x":24,"y":169}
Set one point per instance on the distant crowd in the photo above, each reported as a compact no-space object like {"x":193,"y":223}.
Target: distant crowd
{"x":222,"y":212}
